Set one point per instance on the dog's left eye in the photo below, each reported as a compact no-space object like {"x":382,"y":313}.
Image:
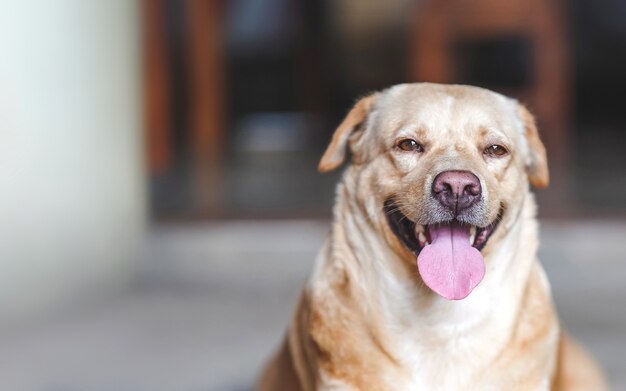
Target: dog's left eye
{"x":495,"y":150}
{"x":410,"y":145}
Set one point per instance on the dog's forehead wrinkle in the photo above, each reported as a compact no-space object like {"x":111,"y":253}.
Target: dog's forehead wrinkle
{"x":496,"y":132}
{"x":442,"y":109}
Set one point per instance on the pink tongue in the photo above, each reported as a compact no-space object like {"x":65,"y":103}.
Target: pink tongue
{"x":450,"y":266}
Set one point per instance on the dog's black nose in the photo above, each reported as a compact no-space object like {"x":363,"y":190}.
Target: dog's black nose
{"x":457,"y":190}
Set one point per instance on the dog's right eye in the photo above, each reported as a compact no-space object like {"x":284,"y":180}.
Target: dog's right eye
{"x":495,"y":151}
{"x":409,"y":145}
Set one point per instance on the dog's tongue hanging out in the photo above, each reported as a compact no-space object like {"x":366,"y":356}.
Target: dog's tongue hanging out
{"x":450,"y":265}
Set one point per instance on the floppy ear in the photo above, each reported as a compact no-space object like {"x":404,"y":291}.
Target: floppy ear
{"x":336,"y":151}
{"x":537,"y":163}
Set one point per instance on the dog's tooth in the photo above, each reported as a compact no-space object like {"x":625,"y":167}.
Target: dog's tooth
{"x":419,"y":228}
{"x":421,"y":237}
{"x":472,"y":235}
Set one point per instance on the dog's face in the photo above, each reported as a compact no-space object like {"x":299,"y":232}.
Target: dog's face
{"x":444,"y":165}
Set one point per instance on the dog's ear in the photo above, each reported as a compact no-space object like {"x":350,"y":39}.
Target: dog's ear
{"x":537,"y":162}
{"x":336,"y":151}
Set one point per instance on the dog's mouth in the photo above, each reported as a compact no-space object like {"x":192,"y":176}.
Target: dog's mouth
{"x":448,"y":252}
{"x":416,"y":236}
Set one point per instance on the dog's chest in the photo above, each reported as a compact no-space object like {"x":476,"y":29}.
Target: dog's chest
{"x":438,"y":372}
{"x":426,"y":367}
{"x":476,"y":362}
{"x":451,"y":354}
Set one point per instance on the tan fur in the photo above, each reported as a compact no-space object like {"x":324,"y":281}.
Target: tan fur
{"x":366,"y":320}
{"x":577,"y":370}
{"x":538,"y":165}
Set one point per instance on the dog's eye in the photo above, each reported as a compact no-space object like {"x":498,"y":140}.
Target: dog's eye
{"x":495,"y":150}
{"x":410,"y":145}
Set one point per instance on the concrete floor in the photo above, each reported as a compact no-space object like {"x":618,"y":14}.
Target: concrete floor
{"x":211,"y":302}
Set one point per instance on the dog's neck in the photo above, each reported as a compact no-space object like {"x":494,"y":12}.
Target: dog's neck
{"x":391,"y":293}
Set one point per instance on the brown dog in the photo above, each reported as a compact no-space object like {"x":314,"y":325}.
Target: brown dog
{"x":429,"y":280}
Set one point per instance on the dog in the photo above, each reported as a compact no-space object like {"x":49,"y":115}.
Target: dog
{"x":429,"y":279}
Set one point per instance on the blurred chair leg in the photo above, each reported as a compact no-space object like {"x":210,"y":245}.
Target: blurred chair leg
{"x":207,"y":96}
{"x":156,"y":86}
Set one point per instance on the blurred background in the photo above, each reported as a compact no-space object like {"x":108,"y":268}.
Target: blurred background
{"x":159,"y":196}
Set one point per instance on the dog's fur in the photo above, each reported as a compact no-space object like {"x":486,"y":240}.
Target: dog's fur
{"x":366,"y":321}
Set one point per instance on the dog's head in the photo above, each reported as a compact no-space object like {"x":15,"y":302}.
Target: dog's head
{"x":444,"y":165}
